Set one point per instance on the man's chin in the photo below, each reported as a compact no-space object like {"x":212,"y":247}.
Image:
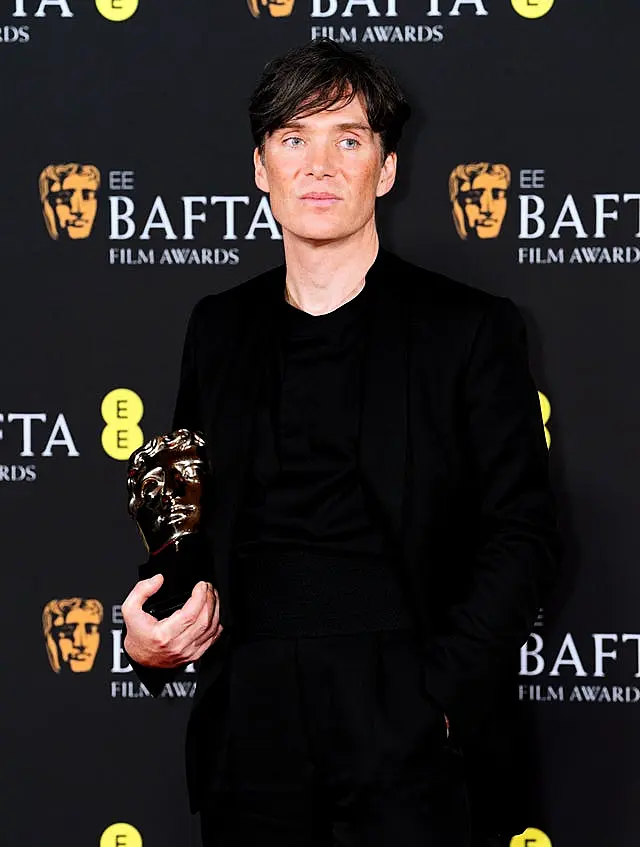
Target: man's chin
{"x":326,"y":234}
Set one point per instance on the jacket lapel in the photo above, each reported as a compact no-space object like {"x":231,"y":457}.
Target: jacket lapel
{"x":252,"y":336}
{"x":383,"y":425}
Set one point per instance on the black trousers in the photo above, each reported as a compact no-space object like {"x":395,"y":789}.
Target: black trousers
{"x":334,"y":742}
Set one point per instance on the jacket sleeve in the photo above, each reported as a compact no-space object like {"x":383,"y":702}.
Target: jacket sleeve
{"x":186,"y":414}
{"x":518,"y":547}
{"x":187,"y":407}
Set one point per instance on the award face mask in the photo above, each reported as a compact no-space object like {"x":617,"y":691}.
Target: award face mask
{"x":165,"y":483}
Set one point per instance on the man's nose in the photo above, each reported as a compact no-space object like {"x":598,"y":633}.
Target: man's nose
{"x":320,"y":160}
{"x":80,"y":638}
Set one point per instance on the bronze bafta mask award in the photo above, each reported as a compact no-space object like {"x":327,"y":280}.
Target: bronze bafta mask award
{"x":166,"y":484}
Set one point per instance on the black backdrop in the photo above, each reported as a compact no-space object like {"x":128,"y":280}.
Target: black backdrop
{"x":156,"y":103}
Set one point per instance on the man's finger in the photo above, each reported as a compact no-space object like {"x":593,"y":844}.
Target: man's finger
{"x":184,"y":617}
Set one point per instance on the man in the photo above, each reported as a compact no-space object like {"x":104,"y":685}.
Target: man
{"x":72,"y":633}
{"x":381,"y":526}
{"x":478,"y":194}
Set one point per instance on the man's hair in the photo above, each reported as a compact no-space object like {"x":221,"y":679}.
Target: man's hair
{"x":320,"y":75}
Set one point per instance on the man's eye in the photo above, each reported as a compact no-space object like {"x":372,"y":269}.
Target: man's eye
{"x":350,"y":143}
{"x":292,"y":141}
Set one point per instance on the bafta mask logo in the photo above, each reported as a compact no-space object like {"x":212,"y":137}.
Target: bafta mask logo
{"x":72,"y":633}
{"x":478,"y":194}
{"x":69,"y":197}
{"x":275,"y":8}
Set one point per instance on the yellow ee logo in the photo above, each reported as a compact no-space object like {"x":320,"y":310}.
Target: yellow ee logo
{"x":532,"y":8}
{"x":531,"y":837}
{"x":545,"y":408}
{"x":122,"y":410}
{"x":121,"y":835}
{"x":116,"y":10}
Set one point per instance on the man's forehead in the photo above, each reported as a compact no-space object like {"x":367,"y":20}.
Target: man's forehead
{"x":343,"y":112}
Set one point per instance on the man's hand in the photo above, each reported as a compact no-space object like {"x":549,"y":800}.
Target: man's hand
{"x":177,"y":640}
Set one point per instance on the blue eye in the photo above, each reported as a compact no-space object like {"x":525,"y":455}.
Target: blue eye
{"x":292,"y":138}
{"x":351,"y":143}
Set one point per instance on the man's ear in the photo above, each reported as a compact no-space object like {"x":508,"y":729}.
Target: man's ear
{"x":387,"y":174}
{"x":260,"y":174}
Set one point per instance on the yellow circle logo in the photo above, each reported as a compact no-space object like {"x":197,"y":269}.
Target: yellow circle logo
{"x":122,"y":411}
{"x":116,"y":10}
{"x":531,"y":837}
{"x":532,"y":8}
{"x":121,"y":835}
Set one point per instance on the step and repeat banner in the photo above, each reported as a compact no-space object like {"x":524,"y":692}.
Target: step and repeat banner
{"x":128,"y":194}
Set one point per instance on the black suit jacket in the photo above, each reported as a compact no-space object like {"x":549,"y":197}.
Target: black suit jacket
{"x":453,"y":458}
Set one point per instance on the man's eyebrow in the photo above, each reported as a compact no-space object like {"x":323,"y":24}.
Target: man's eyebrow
{"x":356,"y":126}
{"x":352,"y":125}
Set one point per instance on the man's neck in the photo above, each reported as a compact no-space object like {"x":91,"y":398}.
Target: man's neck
{"x":321,"y":277}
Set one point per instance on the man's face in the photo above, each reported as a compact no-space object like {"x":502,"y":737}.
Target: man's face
{"x":75,"y":206}
{"x":276,"y":8}
{"x":170,"y":491}
{"x":484,"y":204}
{"x":324,"y":172}
{"x":78,"y":639}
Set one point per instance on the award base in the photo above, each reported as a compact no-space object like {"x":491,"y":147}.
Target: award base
{"x":182,"y":569}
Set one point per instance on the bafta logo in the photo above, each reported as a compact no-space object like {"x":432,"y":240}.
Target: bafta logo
{"x":478,"y":194}
{"x":69,"y":197}
{"x":276,"y":8}
{"x":72,"y":633}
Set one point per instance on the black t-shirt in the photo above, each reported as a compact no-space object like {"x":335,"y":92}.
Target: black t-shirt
{"x":303,"y":489}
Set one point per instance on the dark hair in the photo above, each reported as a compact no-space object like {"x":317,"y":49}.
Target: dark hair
{"x":318,"y":76}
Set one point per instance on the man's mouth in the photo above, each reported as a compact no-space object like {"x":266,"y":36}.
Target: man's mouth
{"x":320,"y":198}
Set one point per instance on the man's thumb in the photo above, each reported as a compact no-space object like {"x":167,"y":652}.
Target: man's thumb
{"x":147,"y":587}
